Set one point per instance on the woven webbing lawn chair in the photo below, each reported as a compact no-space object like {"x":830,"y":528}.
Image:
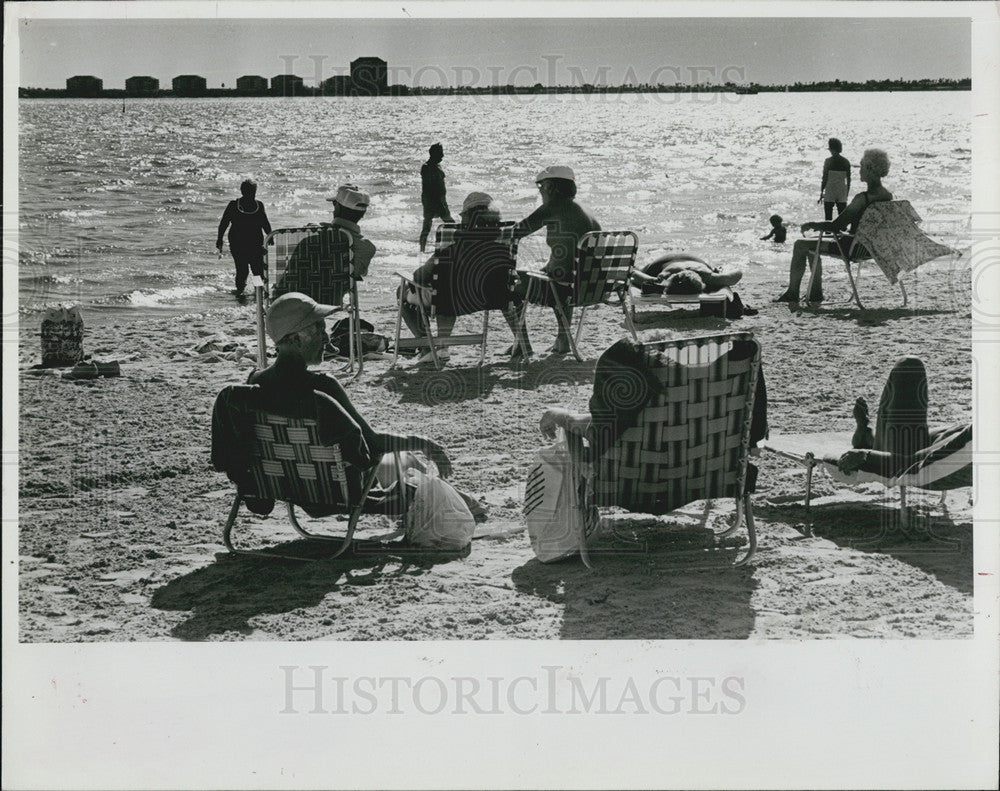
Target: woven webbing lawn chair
{"x":947,"y":466}
{"x":888,"y":234}
{"x":604,"y":261}
{"x":456,"y":289}
{"x":287,"y":458}
{"x":691,"y":441}
{"x":316,"y":260}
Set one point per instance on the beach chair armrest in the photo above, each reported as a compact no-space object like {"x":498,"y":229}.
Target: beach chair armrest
{"x":411,"y":282}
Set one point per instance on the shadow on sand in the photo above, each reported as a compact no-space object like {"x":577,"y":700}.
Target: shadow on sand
{"x":226,"y":595}
{"x":634,"y":594}
{"x":932,"y":541}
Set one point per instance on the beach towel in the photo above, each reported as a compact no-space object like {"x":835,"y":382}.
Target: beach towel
{"x":889,"y":231}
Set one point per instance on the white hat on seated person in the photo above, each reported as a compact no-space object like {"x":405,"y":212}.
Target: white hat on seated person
{"x":293,"y":312}
{"x":350,"y":197}
{"x":556,"y":172}
{"x":474,"y":199}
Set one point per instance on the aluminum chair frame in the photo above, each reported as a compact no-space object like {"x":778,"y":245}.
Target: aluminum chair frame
{"x":669,"y":446}
{"x":586,"y":290}
{"x":343,"y":279}
{"x":444,"y":236}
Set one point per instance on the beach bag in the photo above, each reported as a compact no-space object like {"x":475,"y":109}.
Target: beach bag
{"x":555,"y":522}
{"x":62,"y":337}
{"x":723,"y":308}
{"x":437,"y":517}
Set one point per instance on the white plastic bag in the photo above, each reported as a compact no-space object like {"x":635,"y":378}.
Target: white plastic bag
{"x":557,"y":524}
{"x":438,"y":517}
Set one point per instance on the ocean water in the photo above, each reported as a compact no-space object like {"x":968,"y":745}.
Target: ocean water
{"x":119,"y":210}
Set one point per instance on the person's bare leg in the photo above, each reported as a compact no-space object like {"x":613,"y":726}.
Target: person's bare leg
{"x":562,"y":346}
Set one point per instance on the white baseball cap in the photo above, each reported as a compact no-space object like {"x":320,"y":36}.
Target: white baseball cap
{"x":556,"y":172}
{"x":474,"y":199}
{"x":350,"y":197}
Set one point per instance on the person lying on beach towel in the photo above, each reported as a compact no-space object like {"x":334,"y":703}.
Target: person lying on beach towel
{"x":296,"y":324}
{"x":901,"y":442}
{"x":682,"y":273}
{"x":472,"y":274}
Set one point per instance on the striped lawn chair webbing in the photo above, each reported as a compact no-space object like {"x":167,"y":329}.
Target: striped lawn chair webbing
{"x":691,"y":441}
{"x":290,"y":462}
{"x":315,"y":261}
{"x":445,"y":236}
{"x":603,"y":266}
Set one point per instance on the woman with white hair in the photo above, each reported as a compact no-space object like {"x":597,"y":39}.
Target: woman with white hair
{"x":874,"y":166}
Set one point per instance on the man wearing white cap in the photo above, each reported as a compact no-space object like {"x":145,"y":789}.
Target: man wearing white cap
{"x":565,"y":221}
{"x":296,"y":324}
{"x":321,"y":250}
{"x":349,"y":206}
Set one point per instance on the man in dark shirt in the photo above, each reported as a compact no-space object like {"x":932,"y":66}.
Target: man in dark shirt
{"x":297,"y":326}
{"x":432,"y":192}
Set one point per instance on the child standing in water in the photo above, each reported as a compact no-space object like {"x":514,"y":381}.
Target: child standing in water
{"x":778,"y":229}
{"x":836,"y":184}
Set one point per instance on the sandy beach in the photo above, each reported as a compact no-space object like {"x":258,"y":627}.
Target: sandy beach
{"x":121,"y":513}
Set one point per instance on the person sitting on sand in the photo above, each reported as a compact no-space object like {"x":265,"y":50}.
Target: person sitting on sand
{"x":349,"y":206}
{"x":779,"y":230}
{"x":901,"y":439}
{"x":473,"y":274}
{"x":874,"y":166}
{"x":565,"y":221}
{"x":248,"y":226}
{"x":681,"y":273}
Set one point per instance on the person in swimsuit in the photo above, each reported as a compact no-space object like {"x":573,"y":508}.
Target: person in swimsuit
{"x":901,"y":438}
{"x":836,"y":183}
{"x":432,"y":192}
{"x":874,"y":166}
{"x":248,"y":226}
{"x":681,"y":273}
{"x":565,"y":221}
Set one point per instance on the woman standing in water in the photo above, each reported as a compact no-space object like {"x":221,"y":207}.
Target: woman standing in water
{"x":248,"y":226}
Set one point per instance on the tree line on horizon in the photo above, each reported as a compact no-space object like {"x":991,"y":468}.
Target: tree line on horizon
{"x":925,"y":84}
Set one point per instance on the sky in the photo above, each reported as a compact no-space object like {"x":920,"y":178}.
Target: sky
{"x":434,"y":52}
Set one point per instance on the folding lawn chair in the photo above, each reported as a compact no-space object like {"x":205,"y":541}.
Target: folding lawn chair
{"x":429,"y":299}
{"x":604,"y":262}
{"x":288,"y":458}
{"x":691,"y":441}
{"x":889,"y":235}
{"x":316,"y":260}
{"x":947,"y":467}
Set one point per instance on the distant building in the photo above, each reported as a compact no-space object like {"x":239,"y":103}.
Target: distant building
{"x":251,"y":84}
{"x":338,"y":85}
{"x":286,"y":85}
{"x":189,"y":85}
{"x":142,"y":86}
{"x":84,"y":86}
{"x":369,"y":77}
